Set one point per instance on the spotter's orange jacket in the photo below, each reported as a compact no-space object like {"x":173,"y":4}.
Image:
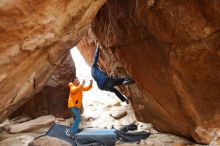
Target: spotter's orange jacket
{"x":76,"y":93}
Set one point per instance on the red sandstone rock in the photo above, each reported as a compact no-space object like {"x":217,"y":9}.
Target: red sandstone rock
{"x":35,"y":37}
{"x":32,"y":124}
{"x":48,"y":141}
{"x":171,"y":49}
{"x":53,"y":97}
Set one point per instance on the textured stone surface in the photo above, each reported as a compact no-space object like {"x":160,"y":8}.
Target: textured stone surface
{"x":53,"y":97}
{"x":22,"y":140}
{"x":215,"y":142}
{"x":49,"y":141}
{"x":20,"y":119}
{"x":171,"y":49}
{"x":206,"y":135}
{"x":34,"y":38}
{"x":32,"y":124}
{"x":118,"y":113}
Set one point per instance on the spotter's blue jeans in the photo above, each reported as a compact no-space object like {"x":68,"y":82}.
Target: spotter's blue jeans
{"x":76,"y":113}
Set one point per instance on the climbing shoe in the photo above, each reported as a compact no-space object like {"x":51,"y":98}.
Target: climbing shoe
{"x":127,"y":101}
{"x":69,"y":134}
{"x":128,"y":82}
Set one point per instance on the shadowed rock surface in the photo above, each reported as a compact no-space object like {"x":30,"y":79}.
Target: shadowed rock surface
{"x":171,"y":49}
{"x":53,"y":97}
{"x":35,"y":37}
{"x":48,"y":141}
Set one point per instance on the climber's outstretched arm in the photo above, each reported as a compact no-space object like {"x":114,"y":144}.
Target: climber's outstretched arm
{"x":96,"y":58}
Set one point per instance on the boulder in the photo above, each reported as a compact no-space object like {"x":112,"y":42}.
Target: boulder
{"x":5,"y":136}
{"x":22,"y":140}
{"x":171,"y":49}
{"x":206,"y":135}
{"x":20,"y":119}
{"x":32,"y":124}
{"x":5,"y":124}
{"x":53,"y":97}
{"x":118,"y":113}
{"x":215,"y":142}
{"x":49,"y":141}
{"x":116,"y":103}
{"x":35,"y":37}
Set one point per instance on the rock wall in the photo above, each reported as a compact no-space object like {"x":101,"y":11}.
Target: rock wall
{"x":172,"y":50}
{"x":53,"y":97}
{"x":35,"y":37}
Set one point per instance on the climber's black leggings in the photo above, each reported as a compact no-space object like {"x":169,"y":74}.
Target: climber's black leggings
{"x":110,"y":83}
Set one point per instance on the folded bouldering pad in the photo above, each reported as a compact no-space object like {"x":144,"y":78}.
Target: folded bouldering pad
{"x":132,"y":137}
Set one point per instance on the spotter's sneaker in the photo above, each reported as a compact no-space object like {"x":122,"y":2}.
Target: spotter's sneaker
{"x":69,"y":134}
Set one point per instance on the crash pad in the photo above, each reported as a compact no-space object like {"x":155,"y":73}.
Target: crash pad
{"x":97,"y":137}
{"x":87,"y":136}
